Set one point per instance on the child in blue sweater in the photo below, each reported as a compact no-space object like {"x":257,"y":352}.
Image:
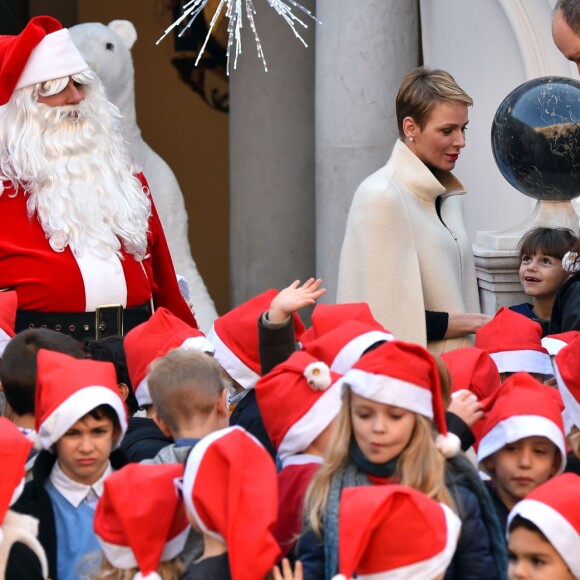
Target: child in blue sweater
{"x":80,"y":420}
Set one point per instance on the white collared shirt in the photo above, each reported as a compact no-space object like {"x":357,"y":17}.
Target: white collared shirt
{"x":75,"y":492}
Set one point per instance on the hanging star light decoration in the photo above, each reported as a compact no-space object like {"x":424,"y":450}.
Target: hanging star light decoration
{"x":234,"y":11}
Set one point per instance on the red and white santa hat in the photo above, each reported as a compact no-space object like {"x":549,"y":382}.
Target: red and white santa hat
{"x":43,"y":51}
{"x":230,"y":489}
{"x":8,"y":306}
{"x":472,"y":369}
{"x":14,"y":450}
{"x":514,"y":342}
{"x":341,"y":347}
{"x":139,"y":520}
{"x":309,"y":394}
{"x":567,"y":371}
{"x":554,"y":343}
{"x":404,"y":375}
{"x":553,"y":508}
{"x":421,"y":534}
{"x":153,"y":339}
{"x":235,"y":338}
{"x":67,"y":389}
{"x":521,"y":407}
{"x":328,"y":317}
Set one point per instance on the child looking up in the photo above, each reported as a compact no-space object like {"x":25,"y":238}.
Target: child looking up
{"x":522,"y":442}
{"x":544,"y":532}
{"x":80,"y":420}
{"x":541,"y":273}
{"x":391,"y":403}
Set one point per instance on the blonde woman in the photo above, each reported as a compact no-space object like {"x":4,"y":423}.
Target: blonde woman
{"x":405,"y":250}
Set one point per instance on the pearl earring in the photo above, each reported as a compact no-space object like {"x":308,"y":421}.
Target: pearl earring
{"x":411,"y":138}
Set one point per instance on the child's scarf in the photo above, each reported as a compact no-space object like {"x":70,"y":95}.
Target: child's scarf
{"x":352,"y":474}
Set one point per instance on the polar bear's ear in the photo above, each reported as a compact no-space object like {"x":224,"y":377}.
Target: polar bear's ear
{"x":126,"y":30}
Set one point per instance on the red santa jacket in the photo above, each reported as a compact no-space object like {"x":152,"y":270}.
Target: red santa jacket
{"x":50,"y":281}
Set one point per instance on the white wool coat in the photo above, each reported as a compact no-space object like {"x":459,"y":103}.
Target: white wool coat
{"x":397,"y":254}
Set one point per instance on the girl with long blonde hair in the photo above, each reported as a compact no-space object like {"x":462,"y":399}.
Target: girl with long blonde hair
{"x":392,"y":404}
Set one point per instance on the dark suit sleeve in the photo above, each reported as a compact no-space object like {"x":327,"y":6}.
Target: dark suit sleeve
{"x":23,"y":563}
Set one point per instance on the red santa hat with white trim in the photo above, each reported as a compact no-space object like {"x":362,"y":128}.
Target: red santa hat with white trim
{"x":341,"y":347}
{"x":153,"y":339}
{"x":514,"y":342}
{"x":43,"y":51}
{"x":8,"y":306}
{"x":521,"y":407}
{"x":67,"y":389}
{"x":144,"y":532}
{"x":553,"y":508}
{"x":567,"y":371}
{"x":14,"y":450}
{"x":310,"y":394}
{"x":554,"y":343}
{"x":404,"y":375}
{"x":472,"y":369}
{"x":421,"y":534}
{"x":230,"y":489}
{"x":235,"y":338}
{"x":328,"y":317}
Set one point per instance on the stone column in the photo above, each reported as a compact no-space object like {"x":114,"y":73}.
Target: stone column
{"x":272,"y":158}
{"x":363,"y":51}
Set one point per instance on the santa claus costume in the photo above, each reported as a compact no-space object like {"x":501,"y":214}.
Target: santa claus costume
{"x":81,"y":241}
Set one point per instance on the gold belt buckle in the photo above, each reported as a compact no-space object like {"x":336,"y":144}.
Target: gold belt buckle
{"x":100,"y":325}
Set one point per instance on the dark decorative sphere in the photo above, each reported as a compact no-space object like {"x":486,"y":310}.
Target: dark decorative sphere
{"x":535,"y":138}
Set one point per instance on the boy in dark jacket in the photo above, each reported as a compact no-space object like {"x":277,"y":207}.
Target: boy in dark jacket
{"x":522,"y":442}
{"x":80,"y":420}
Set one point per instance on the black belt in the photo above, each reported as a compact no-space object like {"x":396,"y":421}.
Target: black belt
{"x":106,"y":320}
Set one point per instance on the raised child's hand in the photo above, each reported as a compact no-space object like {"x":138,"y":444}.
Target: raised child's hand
{"x":286,"y":573}
{"x":293,"y":298}
{"x":466,"y":406}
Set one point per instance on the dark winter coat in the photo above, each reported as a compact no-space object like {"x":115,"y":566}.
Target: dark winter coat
{"x":143,"y":439}
{"x":35,"y":502}
{"x":566,"y":309}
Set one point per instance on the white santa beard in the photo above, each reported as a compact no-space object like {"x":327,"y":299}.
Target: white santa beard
{"x":80,"y":180}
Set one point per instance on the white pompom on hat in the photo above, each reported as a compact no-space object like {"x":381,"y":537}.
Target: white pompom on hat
{"x":404,"y":375}
{"x":43,"y":51}
{"x":421,"y":534}
{"x":309,"y":394}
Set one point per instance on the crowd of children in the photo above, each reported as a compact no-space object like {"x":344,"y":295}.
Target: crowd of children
{"x":270,"y":450}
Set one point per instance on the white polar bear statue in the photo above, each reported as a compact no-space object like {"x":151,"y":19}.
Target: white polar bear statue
{"x":107,"y":50}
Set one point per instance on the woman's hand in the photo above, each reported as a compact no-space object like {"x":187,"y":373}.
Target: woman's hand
{"x":286,"y":573}
{"x":464,"y":323}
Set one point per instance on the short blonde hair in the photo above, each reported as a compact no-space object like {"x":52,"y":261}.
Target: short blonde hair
{"x":183,"y":383}
{"x":421,"y":90}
